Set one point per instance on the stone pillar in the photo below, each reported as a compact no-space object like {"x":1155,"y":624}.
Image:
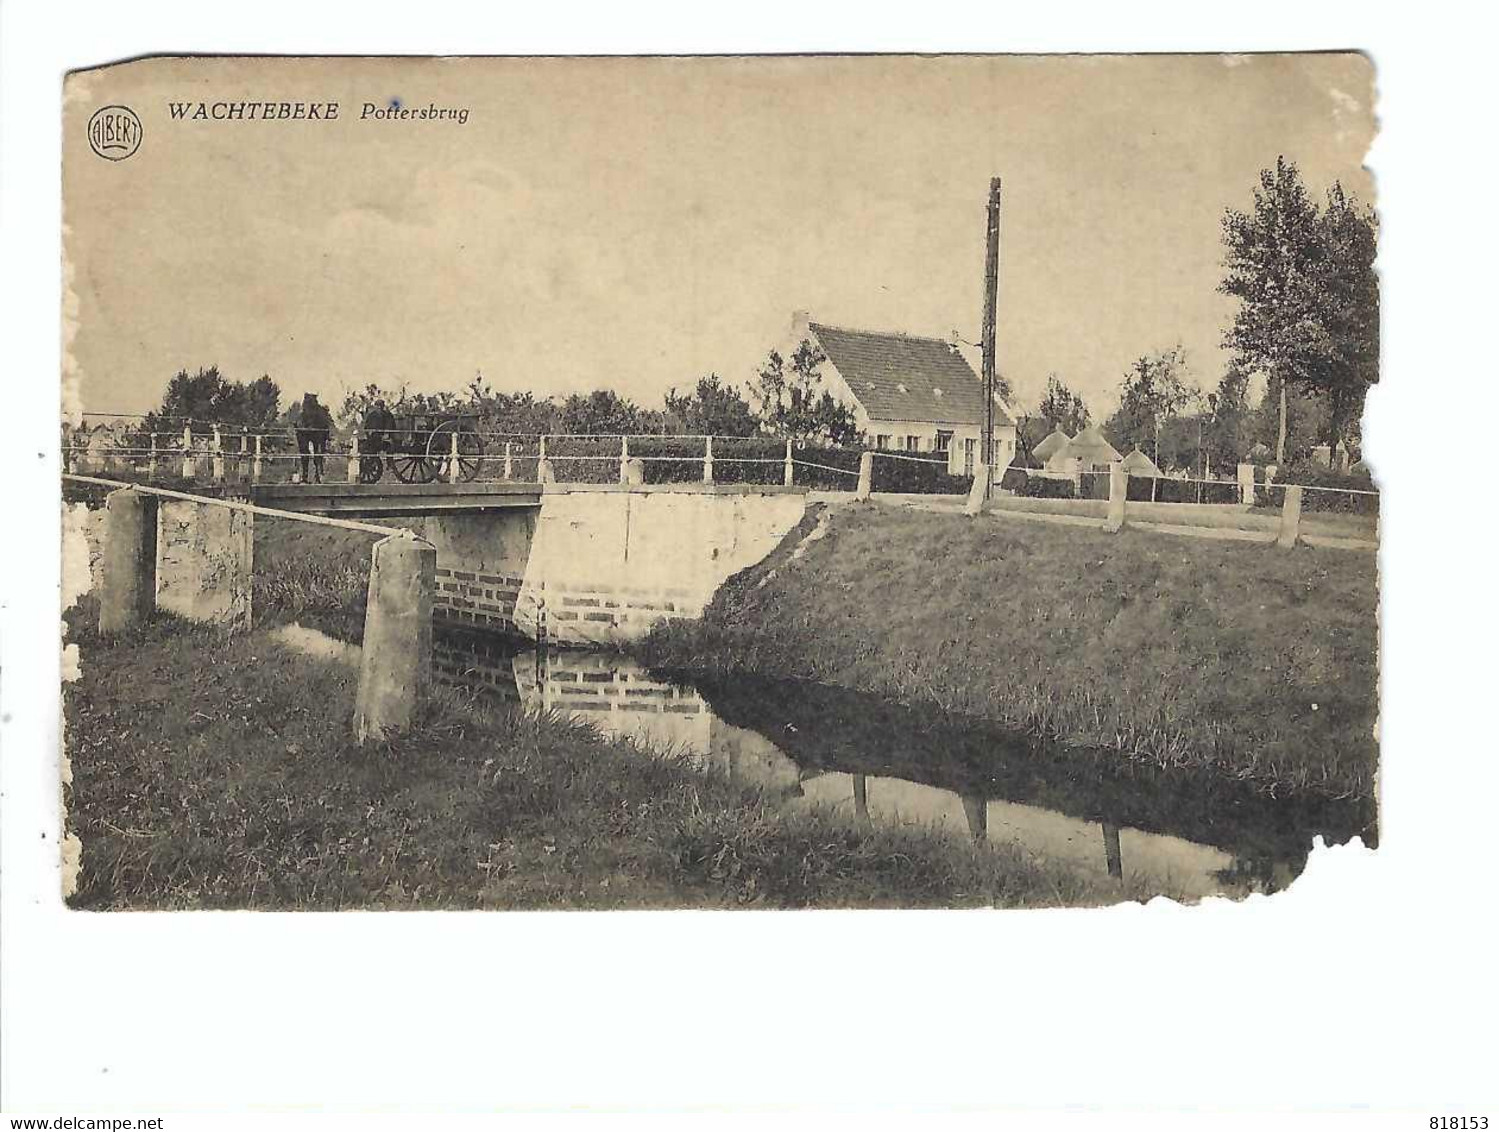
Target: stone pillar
{"x":188,"y":467}
{"x":1290,"y":518}
{"x":255,"y":466}
{"x":866,"y":476}
{"x":218,"y":455}
{"x":1118,"y":493}
{"x":1246,"y":484}
{"x":790,"y":472}
{"x":205,"y":556}
{"x":454,"y":468}
{"x":1113,"y":858}
{"x":976,"y":811}
{"x":395,"y":668}
{"x":151,"y":460}
{"x":127,"y":592}
{"x":978,"y":493}
{"x":634,"y":471}
{"x":708,"y":461}
{"x":624,"y":459}
{"x":509,"y":463}
{"x":545,"y":473}
{"x":352,"y":472}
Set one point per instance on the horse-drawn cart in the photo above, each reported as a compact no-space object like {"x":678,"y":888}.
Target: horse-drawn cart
{"x":419,"y":449}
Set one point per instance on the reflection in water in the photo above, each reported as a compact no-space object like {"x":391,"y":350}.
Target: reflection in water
{"x":882,"y":763}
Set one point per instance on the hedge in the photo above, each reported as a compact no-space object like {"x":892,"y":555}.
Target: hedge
{"x":1309,"y":473}
{"x":1046,"y":487}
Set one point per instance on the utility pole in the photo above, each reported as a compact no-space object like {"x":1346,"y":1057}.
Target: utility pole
{"x":991,"y":303}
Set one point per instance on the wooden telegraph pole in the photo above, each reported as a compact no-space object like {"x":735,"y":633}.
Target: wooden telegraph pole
{"x":991,"y":303}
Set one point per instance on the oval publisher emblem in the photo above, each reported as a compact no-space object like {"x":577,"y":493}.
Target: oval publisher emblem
{"x":114,"y":132}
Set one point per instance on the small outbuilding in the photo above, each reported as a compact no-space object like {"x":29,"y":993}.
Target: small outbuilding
{"x":1051,"y":448}
{"x":1092,"y":449}
{"x":1140,"y":465}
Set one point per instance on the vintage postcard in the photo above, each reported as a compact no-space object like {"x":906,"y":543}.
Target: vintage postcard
{"x":764,"y":482}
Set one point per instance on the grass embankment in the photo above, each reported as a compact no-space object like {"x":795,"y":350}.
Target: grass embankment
{"x":1254,"y":663}
{"x":308,"y":571}
{"x":219,"y":772}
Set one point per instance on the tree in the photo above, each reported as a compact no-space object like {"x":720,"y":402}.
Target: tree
{"x":714,"y":408}
{"x":790,"y":400}
{"x":1308,"y":312}
{"x":1226,"y":437}
{"x":207,"y":398}
{"x":1061,"y":408}
{"x":1154,"y":392}
{"x":605,"y":411}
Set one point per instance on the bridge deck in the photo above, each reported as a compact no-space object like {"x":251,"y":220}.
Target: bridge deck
{"x":397,"y":499}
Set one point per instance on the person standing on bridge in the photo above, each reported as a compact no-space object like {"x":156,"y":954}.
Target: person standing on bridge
{"x":314,"y":427}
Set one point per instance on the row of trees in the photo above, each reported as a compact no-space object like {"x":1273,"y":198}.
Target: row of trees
{"x":787,"y":398}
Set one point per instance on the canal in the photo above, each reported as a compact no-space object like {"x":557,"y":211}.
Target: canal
{"x":1183,"y":833}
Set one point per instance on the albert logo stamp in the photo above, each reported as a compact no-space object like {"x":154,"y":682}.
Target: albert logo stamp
{"x":114,"y":132}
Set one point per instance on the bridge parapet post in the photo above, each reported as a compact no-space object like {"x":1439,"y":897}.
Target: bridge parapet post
{"x":395,"y":668}
{"x":708,"y":461}
{"x":127,"y":592}
{"x":509,"y":463}
{"x":790,"y":469}
{"x":151,"y":460}
{"x":188,"y":464}
{"x":218,"y":455}
{"x":255,"y":464}
{"x":352,"y":474}
{"x":624,"y":459}
{"x":453,"y":469}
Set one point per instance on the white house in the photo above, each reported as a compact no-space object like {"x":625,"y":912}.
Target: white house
{"x":908,"y":393}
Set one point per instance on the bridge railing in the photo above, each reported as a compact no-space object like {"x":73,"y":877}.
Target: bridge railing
{"x":216,"y":454}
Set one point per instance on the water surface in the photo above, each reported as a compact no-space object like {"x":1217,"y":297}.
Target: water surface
{"x":877,"y":761}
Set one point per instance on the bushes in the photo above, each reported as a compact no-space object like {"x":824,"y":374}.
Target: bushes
{"x":918,"y":476}
{"x":1045,"y":487}
{"x":1312,"y":474}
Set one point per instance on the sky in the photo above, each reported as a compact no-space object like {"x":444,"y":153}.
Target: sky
{"x":637,"y":223}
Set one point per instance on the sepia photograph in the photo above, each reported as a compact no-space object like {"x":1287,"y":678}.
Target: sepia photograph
{"x":730,"y":483}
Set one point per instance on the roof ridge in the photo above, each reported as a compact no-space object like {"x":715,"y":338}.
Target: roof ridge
{"x":879,"y":333}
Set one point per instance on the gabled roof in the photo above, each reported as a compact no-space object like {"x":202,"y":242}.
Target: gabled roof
{"x":899,"y":377}
{"x":1055,"y":441}
{"x":1090,"y":447}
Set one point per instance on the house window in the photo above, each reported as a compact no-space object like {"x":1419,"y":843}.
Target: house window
{"x":944,"y":440}
{"x":913,"y":443}
{"x":882,"y":440}
{"x":969,"y":445}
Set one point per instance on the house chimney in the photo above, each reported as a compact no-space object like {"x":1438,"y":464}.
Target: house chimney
{"x":800,"y":327}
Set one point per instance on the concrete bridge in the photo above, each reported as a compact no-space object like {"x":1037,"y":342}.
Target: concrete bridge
{"x":584,"y":564}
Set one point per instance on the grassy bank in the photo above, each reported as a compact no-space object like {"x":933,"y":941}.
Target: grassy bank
{"x":219,"y":772}
{"x":1250,"y":662}
{"x":303,"y":570}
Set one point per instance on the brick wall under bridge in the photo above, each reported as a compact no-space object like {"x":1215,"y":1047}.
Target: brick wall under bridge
{"x":605,"y":562}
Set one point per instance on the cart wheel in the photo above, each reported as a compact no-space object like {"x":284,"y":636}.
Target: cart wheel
{"x":371,"y":468}
{"x":440,"y":450}
{"x":410,"y":469}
